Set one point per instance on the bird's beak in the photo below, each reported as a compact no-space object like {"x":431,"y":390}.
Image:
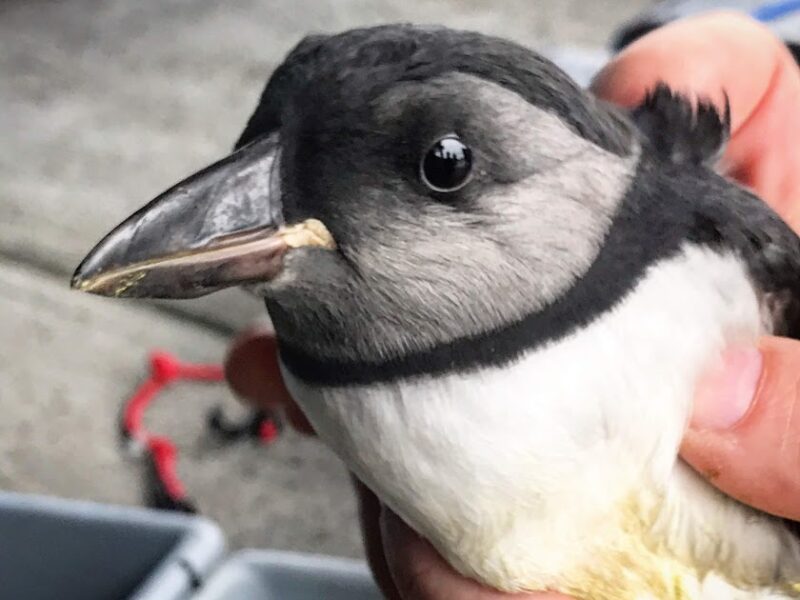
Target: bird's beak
{"x":221,"y":227}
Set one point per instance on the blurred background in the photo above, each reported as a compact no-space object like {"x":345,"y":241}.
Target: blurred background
{"x":103,"y":104}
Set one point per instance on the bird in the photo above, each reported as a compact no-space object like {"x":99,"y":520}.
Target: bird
{"x":493,"y":295}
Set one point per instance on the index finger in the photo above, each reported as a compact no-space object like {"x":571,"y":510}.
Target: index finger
{"x":714,"y":55}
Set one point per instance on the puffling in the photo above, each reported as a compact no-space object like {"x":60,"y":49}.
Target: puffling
{"x":493,"y":295}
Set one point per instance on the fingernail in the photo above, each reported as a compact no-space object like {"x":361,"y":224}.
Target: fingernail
{"x":725,"y":393}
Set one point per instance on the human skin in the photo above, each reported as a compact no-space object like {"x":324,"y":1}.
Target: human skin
{"x":745,"y":432}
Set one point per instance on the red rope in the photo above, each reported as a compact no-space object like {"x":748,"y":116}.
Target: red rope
{"x":165,"y":369}
{"x":165,"y":459}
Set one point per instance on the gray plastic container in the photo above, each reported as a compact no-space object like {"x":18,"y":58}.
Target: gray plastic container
{"x":271,"y":575}
{"x":70,"y":550}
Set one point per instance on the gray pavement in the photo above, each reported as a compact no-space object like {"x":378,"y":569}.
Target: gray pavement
{"x":102,"y":105}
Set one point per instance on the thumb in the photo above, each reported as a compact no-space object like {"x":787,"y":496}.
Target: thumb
{"x":745,"y":430}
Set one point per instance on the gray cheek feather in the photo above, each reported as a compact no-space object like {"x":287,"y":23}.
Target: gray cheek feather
{"x":452,"y":276}
{"x":426,"y":276}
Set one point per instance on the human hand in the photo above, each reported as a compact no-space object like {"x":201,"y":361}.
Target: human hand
{"x":700,"y":56}
{"x":745,"y":431}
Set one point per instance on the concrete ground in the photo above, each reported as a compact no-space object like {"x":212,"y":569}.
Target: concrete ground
{"x":103,"y":105}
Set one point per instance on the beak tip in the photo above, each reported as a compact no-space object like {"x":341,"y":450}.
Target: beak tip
{"x":79,"y":284}
{"x":89,"y":283}
{"x":79,"y":281}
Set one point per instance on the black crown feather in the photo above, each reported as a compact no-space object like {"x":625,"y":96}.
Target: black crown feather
{"x":681,"y":131}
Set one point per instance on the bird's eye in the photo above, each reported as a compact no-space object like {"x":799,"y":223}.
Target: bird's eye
{"x":447,"y":165}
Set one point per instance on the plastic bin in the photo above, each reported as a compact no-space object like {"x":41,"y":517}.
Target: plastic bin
{"x":270,"y":575}
{"x":69,"y":550}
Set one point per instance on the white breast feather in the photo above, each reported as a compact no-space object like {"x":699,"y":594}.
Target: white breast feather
{"x":560,"y":470}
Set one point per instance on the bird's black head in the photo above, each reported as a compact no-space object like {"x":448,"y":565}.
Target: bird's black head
{"x":397,"y":188}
